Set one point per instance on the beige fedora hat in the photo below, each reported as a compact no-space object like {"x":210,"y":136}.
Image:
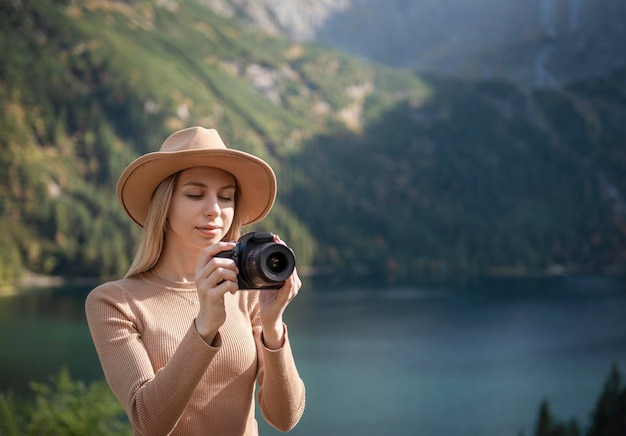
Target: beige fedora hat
{"x":197,"y":147}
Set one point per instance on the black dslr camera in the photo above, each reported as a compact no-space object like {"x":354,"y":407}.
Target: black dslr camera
{"x":262,"y":263}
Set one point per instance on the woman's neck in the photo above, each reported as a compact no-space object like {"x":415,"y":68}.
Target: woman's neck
{"x":176,"y":266}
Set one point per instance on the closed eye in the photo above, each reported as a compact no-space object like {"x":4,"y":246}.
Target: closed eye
{"x":226,"y":194}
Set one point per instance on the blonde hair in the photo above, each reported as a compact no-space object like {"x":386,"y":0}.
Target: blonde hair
{"x":155,"y":227}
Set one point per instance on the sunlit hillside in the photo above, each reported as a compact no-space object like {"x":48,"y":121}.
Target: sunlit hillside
{"x":87,"y":86}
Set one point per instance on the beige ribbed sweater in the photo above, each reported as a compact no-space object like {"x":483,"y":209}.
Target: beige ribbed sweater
{"x":170,"y":381}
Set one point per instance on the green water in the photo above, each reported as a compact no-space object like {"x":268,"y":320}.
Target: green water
{"x":394,"y":361}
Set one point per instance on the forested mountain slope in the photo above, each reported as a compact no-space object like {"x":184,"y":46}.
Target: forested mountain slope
{"x":478,"y":178}
{"x":381,"y":171}
{"x":87,"y":86}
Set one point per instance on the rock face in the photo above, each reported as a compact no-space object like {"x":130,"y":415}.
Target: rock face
{"x":541,"y":43}
{"x":299,"y":19}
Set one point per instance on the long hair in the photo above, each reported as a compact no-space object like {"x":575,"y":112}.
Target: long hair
{"x":155,"y":227}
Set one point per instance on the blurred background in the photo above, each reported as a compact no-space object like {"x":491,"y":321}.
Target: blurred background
{"x":451,"y":177}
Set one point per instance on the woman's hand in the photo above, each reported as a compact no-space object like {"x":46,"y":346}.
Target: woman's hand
{"x":273,"y":305}
{"x":214,"y":277}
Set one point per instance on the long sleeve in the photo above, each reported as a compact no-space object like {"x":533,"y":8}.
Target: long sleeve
{"x":282,"y":393}
{"x":153,"y":401}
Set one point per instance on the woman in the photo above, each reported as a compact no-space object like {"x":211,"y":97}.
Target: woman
{"x":180,"y":345}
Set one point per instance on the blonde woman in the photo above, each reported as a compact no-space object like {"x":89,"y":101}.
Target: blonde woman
{"x":181,"y":346}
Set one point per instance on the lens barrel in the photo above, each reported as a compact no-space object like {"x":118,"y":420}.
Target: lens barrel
{"x":262,"y":263}
{"x":269,"y":264}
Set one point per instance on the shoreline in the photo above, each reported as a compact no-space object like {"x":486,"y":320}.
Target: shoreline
{"x":33,"y":281}
{"x":30,"y":280}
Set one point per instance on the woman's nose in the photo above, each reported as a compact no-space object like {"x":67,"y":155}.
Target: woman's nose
{"x":212,"y":207}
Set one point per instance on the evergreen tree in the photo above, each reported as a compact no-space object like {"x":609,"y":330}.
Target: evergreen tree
{"x":547,"y":426}
{"x":609,"y":415}
{"x":544,"y":420}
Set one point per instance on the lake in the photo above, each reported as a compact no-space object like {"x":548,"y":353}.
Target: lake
{"x":401,"y":361}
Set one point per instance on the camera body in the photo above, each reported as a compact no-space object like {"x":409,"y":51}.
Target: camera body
{"x":262,"y":263}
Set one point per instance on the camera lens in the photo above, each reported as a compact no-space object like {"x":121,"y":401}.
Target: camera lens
{"x":268,"y":264}
{"x":277,"y":262}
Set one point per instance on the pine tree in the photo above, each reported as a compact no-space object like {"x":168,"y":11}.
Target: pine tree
{"x":548,"y":426}
{"x":544,"y":421}
{"x":609,"y":415}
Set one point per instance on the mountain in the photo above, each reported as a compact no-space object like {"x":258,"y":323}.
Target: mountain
{"x":544,"y":43}
{"x":478,"y":178}
{"x":384,"y":174}
{"x":86,"y":87}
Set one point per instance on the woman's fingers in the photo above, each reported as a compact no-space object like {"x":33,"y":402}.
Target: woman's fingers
{"x":294,"y":287}
{"x":208,"y":254}
{"x":283,"y":296}
{"x":216,"y":274}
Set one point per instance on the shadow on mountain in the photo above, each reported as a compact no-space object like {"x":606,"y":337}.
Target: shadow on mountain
{"x":480,"y":179}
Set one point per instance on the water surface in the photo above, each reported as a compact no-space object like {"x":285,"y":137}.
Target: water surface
{"x":403,"y":361}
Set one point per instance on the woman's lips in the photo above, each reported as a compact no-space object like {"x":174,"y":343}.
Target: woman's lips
{"x":209,"y":230}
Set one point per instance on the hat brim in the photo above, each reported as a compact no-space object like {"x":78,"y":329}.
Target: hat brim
{"x":255,"y":179}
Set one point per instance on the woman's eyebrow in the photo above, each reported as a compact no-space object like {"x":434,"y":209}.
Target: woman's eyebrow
{"x":204,"y":185}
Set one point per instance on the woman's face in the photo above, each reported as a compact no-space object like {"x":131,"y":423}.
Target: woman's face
{"x":202,"y":208}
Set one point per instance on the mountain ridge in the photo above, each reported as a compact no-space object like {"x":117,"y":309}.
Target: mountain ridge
{"x":542,"y":44}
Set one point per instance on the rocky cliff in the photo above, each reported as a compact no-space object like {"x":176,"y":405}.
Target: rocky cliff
{"x":544,"y":43}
